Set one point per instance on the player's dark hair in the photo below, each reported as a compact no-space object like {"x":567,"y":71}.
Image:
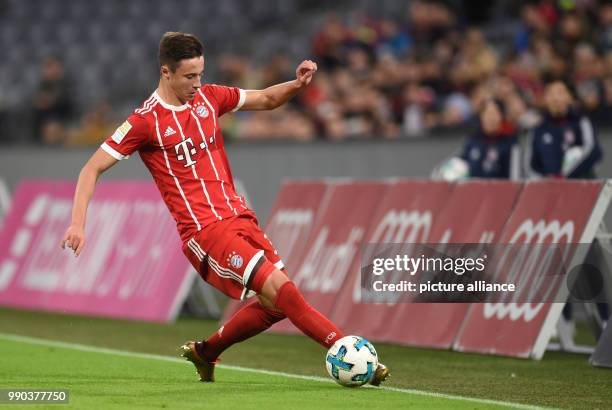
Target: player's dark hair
{"x":175,"y":46}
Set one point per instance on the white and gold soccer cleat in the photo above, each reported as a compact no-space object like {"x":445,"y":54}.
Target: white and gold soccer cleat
{"x":380,"y":375}
{"x":206,"y":370}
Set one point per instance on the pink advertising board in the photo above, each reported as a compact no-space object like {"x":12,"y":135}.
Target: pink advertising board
{"x":547,"y":211}
{"x":333,"y":244}
{"x":132,"y":265}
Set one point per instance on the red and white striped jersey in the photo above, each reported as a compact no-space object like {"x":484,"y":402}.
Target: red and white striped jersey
{"x":182,"y":147}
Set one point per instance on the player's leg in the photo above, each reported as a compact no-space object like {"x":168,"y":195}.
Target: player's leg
{"x":277,"y":295}
{"x":285,"y":295}
{"x":268,"y":304}
{"x":248,"y":321}
{"x":276,"y":289}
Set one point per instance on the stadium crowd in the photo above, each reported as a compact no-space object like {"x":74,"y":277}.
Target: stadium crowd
{"x":412,"y":76}
{"x":405,"y":78}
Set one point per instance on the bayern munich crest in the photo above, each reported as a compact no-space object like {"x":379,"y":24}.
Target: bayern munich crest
{"x":202,"y":111}
{"x":235,"y":260}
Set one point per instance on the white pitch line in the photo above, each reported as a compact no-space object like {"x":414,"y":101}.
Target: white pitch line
{"x":95,"y":349}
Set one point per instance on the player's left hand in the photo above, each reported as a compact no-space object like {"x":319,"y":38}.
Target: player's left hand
{"x":305,"y":71}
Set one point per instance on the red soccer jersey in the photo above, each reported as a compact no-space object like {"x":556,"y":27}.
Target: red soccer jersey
{"x":183,"y":149}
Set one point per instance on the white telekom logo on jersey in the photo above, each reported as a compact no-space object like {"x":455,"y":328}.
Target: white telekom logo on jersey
{"x":186,"y":149}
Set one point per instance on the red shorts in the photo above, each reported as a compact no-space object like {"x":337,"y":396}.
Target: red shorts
{"x":233,"y":255}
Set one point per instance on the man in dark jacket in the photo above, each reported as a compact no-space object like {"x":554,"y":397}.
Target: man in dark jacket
{"x":564,"y":145}
{"x":492,"y":151}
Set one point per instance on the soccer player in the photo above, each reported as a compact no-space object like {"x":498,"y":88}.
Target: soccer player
{"x":176,"y":132}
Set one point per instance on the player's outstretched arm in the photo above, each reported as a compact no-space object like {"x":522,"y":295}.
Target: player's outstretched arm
{"x":276,"y":95}
{"x":74,"y":238}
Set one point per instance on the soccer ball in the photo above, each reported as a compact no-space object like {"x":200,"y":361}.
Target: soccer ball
{"x":451,"y":170}
{"x":351,"y":361}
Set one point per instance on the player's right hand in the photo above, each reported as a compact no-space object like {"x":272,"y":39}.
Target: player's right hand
{"x":305,"y":71}
{"x":74,"y":239}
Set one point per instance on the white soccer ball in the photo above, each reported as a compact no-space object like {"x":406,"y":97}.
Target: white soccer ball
{"x":453,"y":169}
{"x":351,"y":361}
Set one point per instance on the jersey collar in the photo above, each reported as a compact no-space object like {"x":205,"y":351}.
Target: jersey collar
{"x":170,"y":106}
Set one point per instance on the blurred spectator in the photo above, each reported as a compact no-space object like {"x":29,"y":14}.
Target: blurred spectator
{"x":235,"y":70}
{"x":519,"y":114}
{"x":429,"y":21}
{"x":393,"y":40}
{"x":277,"y":70}
{"x":565,"y":144}
{"x":534,"y":21}
{"x":412,"y":74}
{"x":474,"y":61}
{"x":328,"y":43}
{"x":94,"y":128}
{"x":605,"y":22}
{"x":417,"y":100}
{"x":283,"y":122}
{"x":492,"y":151}
{"x":52,"y":104}
{"x":439,"y":69}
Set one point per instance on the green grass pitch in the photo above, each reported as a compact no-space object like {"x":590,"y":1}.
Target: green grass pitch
{"x":127,"y":364}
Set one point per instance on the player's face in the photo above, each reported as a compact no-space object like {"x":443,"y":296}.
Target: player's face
{"x":187,"y":78}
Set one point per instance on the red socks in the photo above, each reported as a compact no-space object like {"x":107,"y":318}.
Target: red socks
{"x":254,"y":319}
{"x":310,"y":321}
{"x":247,"y":322}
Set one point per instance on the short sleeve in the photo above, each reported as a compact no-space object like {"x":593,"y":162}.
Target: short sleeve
{"x":129,"y":137}
{"x":228,"y":98}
